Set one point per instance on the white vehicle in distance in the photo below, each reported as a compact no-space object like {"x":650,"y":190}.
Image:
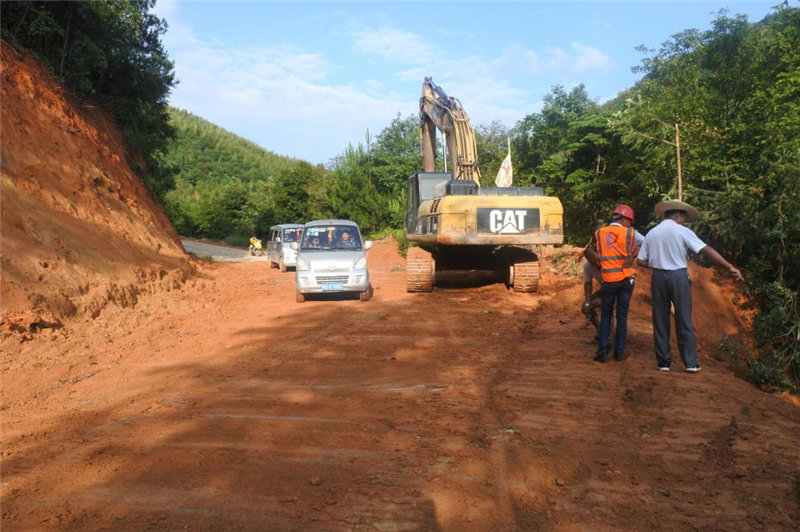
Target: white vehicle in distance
{"x":331,"y":258}
{"x":279,"y":251}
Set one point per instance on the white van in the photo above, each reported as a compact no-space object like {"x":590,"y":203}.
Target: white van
{"x":279,"y":251}
{"x":332,"y":258}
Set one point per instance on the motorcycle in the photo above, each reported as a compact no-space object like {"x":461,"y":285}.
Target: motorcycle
{"x":255,"y":247}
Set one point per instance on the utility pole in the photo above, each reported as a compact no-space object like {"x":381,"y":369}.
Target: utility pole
{"x":678,"y":151}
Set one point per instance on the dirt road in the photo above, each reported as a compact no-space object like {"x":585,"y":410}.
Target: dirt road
{"x":226,"y":405}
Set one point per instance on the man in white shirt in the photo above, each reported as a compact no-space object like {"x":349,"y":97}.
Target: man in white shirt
{"x":665,"y":250}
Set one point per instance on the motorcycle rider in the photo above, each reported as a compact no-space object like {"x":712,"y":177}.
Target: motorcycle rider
{"x":255,"y":245}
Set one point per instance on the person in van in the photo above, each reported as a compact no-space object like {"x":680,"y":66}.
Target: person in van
{"x":346,"y":241}
{"x":314,"y":242}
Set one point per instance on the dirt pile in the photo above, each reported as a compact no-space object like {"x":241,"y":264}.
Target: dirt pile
{"x":79,"y":229}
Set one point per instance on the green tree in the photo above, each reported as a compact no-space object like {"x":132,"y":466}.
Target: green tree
{"x":734,"y":91}
{"x":571,"y":150}
{"x":492,"y":147}
{"x":352,"y":194}
{"x":296,"y":193}
{"x":367,"y":182}
{"x":395,"y":156}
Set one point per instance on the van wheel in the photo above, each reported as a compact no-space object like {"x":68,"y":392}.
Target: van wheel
{"x":281,"y":265}
{"x":299,"y":297}
{"x":366,"y":295}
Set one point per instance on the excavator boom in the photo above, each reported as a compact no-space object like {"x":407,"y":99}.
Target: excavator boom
{"x":440,"y":111}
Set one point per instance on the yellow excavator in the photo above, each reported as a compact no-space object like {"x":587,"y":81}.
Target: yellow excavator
{"x":459,"y":225}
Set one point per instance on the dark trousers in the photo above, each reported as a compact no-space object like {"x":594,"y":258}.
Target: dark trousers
{"x":620,"y":293}
{"x":673,"y":287}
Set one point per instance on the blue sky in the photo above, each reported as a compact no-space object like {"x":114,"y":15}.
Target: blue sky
{"x":305,"y":79}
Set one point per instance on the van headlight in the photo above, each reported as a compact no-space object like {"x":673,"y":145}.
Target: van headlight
{"x":361,"y":264}
{"x":302,"y":266}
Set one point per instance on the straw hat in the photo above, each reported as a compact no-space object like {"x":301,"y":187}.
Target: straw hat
{"x":677,"y":205}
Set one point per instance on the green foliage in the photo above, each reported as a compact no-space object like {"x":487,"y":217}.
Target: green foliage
{"x":352,"y":193}
{"x":240,"y":241}
{"x":109,"y":52}
{"x":743,"y":162}
{"x":226,"y":185}
{"x":296,"y":195}
{"x":202,"y":151}
{"x":395,"y":156}
{"x":733,"y":352}
{"x":492,"y":146}
{"x":367,"y":182}
{"x":730,"y":98}
{"x":571,"y":149}
{"x":777,"y":333}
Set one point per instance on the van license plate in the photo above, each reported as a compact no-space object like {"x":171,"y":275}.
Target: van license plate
{"x":332,"y":287}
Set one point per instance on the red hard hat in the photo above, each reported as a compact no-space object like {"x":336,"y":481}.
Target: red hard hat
{"x":624,"y":211}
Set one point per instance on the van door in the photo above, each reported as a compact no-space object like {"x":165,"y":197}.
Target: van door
{"x":272,"y":246}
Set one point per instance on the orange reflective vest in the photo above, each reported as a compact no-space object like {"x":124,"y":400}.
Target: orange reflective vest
{"x":614,"y":244}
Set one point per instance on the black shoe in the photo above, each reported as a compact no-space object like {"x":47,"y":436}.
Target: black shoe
{"x":600,"y":357}
{"x":620,"y":356}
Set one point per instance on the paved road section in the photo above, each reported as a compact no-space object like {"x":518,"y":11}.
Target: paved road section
{"x":218,"y":252}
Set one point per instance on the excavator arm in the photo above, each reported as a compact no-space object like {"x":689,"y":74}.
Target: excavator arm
{"x":437,"y":110}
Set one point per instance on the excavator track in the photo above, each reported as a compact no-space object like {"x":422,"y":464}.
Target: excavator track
{"x":420,"y":270}
{"x":525,"y":276}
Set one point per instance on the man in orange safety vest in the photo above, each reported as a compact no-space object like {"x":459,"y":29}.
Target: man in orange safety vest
{"x":613,"y":250}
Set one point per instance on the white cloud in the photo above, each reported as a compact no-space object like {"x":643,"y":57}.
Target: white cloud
{"x":589,"y":58}
{"x":413,"y":74}
{"x":510,"y":85}
{"x":551,"y":59}
{"x":393,"y":44}
{"x":274,"y":96}
{"x":284,"y":97}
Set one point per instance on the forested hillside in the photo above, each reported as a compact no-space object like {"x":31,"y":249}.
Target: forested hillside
{"x":227,"y":186}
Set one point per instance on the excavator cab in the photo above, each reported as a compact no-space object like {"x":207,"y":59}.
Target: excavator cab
{"x":421,"y":187}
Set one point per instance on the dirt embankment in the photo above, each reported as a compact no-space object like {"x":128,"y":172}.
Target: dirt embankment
{"x":79,"y":230}
{"x":225,"y":405}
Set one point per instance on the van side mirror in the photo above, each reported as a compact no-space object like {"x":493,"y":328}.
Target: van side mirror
{"x":277,"y":239}
{"x":294,"y":246}
{"x":368,"y":244}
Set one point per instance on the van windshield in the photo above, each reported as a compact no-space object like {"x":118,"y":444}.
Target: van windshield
{"x":292,"y":235}
{"x":343,"y":237}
